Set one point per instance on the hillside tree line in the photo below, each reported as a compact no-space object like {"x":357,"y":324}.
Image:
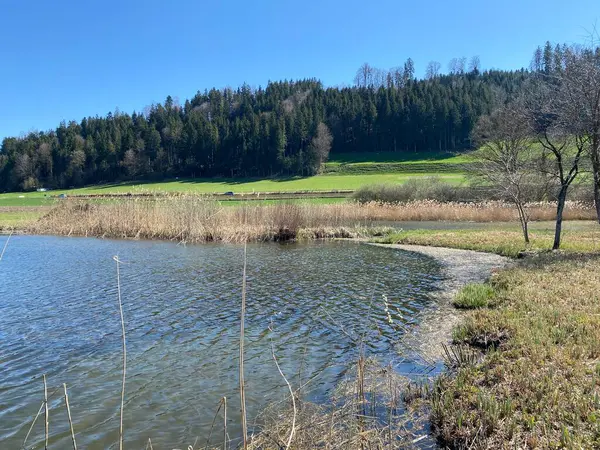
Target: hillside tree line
{"x":287,"y":128}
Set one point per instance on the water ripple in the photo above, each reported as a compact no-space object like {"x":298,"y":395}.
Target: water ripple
{"x":59,"y":316}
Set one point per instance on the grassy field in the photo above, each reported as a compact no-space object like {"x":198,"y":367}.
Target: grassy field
{"x":536,"y":326}
{"x":425,"y":163}
{"x":18,"y":219}
{"x":506,"y":240}
{"x":404,"y":158}
{"x":324,"y":182}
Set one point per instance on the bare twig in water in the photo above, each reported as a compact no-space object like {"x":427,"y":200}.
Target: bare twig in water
{"x":242,"y":388}
{"x":47,"y":413}
{"x":118,"y":261}
{"x":224,"y":423}
{"x":69,"y":414}
{"x":293,"y":427}
{"x":5,"y":245}
{"x":213,"y":423}
{"x":32,"y":424}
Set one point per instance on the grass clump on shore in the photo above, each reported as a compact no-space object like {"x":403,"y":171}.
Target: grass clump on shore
{"x":538,"y":385}
{"x":475,"y":295}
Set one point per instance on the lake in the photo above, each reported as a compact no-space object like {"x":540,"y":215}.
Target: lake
{"x":59,"y":316}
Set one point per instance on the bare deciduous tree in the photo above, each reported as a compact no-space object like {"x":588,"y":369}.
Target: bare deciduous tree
{"x":475,"y":64}
{"x":433,"y":70}
{"x":320,"y":146}
{"x":457,"y":66}
{"x":537,"y":64}
{"x":44,"y":156}
{"x":364,"y":76}
{"x":503,"y":162}
{"x":398,"y":76}
{"x":379,"y":77}
{"x":453,"y":66}
{"x":462,"y":64}
{"x":553,"y":118}
{"x":580,"y":81}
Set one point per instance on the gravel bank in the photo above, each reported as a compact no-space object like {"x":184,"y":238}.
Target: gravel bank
{"x":460,"y":267}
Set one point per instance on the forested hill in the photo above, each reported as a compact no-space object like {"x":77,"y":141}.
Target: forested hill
{"x":286,"y":128}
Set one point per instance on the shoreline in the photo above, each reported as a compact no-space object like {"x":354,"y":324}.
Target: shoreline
{"x":460,"y":267}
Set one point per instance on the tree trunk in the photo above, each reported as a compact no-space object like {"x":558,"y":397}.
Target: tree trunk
{"x":597,"y":193}
{"x":595,"y":156}
{"x":562,"y":196}
{"x":525,"y":230}
{"x":523,"y":220}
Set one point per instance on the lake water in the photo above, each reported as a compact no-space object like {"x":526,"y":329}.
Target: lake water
{"x":59,"y":316}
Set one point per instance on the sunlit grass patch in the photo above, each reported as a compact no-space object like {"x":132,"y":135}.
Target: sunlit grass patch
{"x":505,"y":241}
{"x":475,"y":295}
{"x":18,"y":219}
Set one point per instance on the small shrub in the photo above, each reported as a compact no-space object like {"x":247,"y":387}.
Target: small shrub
{"x":427,"y":188}
{"x":475,"y":295}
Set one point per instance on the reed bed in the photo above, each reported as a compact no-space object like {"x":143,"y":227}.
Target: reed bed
{"x":195,"y":219}
{"x":369,"y":409}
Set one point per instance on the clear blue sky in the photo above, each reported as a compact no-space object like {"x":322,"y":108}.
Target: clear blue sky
{"x":63,"y":60}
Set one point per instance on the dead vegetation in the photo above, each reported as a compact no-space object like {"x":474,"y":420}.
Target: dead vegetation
{"x":373,"y":408}
{"x":195,"y":219}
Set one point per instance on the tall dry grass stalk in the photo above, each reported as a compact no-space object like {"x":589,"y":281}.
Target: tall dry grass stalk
{"x":194,"y":219}
{"x":5,"y":245}
{"x":118,"y":261}
{"x":46,"y":415}
{"x":32,"y":424}
{"x":242,"y":337}
{"x":292,"y":395}
{"x":70,"y":419}
{"x":364,"y":413}
{"x":224,"y":423}
{"x":222,"y":404}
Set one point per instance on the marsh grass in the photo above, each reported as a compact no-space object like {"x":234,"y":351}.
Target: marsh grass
{"x":538,"y":385}
{"x":195,"y":219}
{"x":475,"y":295}
{"x":369,"y":409}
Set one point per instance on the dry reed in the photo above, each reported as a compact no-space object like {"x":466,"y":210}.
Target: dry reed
{"x":242,"y":337}
{"x":195,"y":220}
{"x":224,"y":423}
{"x":70,"y":419}
{"x":118,"y":261}
{"x":32,"y":424}
{"x":364,"y":412}
{"x":292,"y":395}
{"x":46,"y":415}
{"x":5,"y":245}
